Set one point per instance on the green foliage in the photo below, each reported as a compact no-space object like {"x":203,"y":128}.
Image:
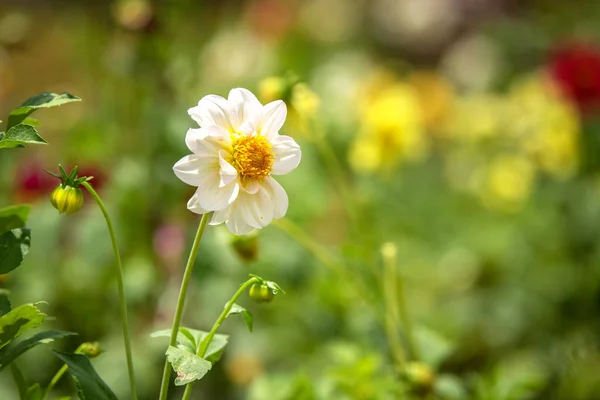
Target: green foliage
{"x":10,"y":353}
{"x":190,"y":339}
{"x":5,"y":306}
{"x":188,"y":366}
{"x":14,"y":246}
{"x":13,"y":217}
{"x":42,"y":100}
{"x":19,"y":380}
{"x":34,"y":392}
{"x":19,"y":135}
{"x":248,"y":319}
{"x":18,"y":321}
{"x":89,"y":384}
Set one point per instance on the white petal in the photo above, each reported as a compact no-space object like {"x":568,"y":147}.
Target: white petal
{"x":256,"y":209}
{"x":194,"y":206}
{"x":251,"y":186}
{"x":228,"y":173}
{"x":287,"y":154}
{"x":272,"y":119}
{"x":236,"y":224}
{"x":207,"y":142}
{"x":245,"y":107}
{"x":278,"y":196}
{"x":193,"y":169}
{"x":212,"y":110}
{"x":220,"y":216}
{"x":212,"y":197}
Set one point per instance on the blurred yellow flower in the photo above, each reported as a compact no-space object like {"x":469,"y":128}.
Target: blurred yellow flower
{"x":435,"y":95}
{"x":546,"y":125}
{"x":475,"y":117}
{"x":508,"y":183}
{"x":391,"y":127}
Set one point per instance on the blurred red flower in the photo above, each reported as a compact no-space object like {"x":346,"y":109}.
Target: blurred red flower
{"x":576,"y":69}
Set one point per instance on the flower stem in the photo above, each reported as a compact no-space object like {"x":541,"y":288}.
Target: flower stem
{"x":206,"y":341}
{"x":164,"y":387}
{"x":55,"y":380}
{"x":121,"y":288}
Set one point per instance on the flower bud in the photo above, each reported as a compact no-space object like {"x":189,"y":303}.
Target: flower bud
{"x":246,"y":246}
{"x":261,"y":293}
{"x":89,"y":349}
{"x":420,"y":375}
{"x":67,"y":199}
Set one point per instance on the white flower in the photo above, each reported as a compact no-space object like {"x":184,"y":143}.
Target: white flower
{"x":235,"y":151}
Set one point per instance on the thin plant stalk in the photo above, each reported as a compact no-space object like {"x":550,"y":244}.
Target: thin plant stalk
{"x":206,"y":341}
{"x":390,"y":291}
{"x":121,"y":288}
{"x":164,"y":388}
{"x":55,"y":380}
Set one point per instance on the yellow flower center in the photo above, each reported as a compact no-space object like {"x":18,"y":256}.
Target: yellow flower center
{"x":252,"y":156}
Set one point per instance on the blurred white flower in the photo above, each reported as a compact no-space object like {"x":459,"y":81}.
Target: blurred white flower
{"x":235,"y":151}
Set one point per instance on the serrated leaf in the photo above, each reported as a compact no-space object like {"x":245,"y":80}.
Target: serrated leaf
{"x":13,"y":217}
{"x":19,"y":380}
{"x":14,"y":246}
{"x":19,"y":320}
{"x":19,"y":135}
{"x":188,"y":366}
{"x":10,"y":353}
{"x":42,"y":100}
{"x":248,"y":319}
{"x":89,"y":384}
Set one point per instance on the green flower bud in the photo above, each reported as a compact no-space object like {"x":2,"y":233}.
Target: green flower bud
{"x":246,"y":246}
{"x":261,"y":293}
{"x":420,"y":375}
{"x":89,"y":349}
{"x":67,"y":200}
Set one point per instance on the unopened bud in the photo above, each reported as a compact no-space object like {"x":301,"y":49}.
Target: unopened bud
{"x":89,"y":349}
{"x":246,"y":246}
{"x":67,"y":200}
{"x":261,"y":293}
{"x":420,"y":375}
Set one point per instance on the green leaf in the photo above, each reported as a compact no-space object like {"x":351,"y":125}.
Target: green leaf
{"x":42,"y":100}
{"x":19,"y":320}
{"x":275,"y":288}
{"x":13,"y":217}
{"x":14,"y":246}
{"x":4,"y":304}
{"x":19,"y":135}
{"x":237,"y":309}
{"x":34,"y":392}
{"x":19,"y":380}
{"x":189,"y":339}
{"x":89,"y":384}
{"x":31,"y":121}
{"x":10,"y":353}
{"x":188,"y":366}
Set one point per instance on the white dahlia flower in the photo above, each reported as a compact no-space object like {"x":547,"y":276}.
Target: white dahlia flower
{"x":235,"y":151}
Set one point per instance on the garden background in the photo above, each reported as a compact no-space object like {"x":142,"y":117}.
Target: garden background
{"x":463,"y":133}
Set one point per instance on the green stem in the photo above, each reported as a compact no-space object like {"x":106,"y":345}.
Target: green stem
{"x":55,"y":380}
{"x":164,"y":387}
{"x":206,"y":341}
{"x":121,"y":288}
{"x":390,"y":291}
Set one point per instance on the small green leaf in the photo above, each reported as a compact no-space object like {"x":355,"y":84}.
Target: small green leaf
{"x":19,"y":380}
{"x":42,"y":100}
{"x":14,"y":246}
{"x":189,"y":339}
{"x":34,"y":392}
{"x":19,"y":320}
{"x":275,"y":288}
{"x":188,"y":366}
{"x":237,"y":309}
{"x":31,"y":121}
{"x":4,"y":303}
{"x":13,"y":217}
{"x":89,"y":384}
{"x":19,"y":135}
{"x":10,"y":353}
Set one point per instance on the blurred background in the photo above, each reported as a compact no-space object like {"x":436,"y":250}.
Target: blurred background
{"x":463,"y":133}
